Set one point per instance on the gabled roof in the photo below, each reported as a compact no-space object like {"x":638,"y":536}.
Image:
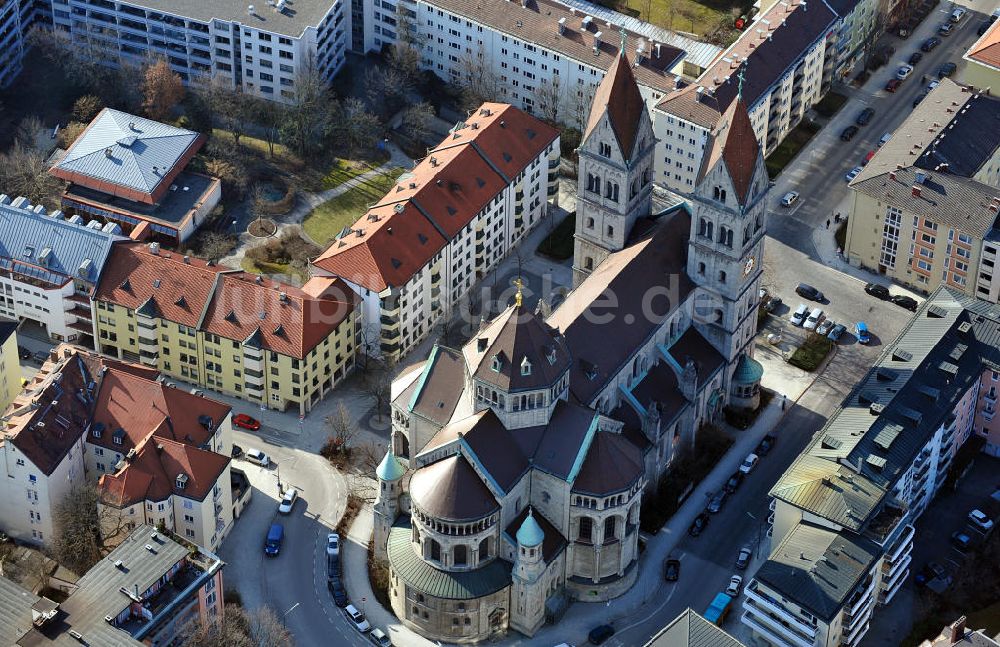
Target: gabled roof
{"x":128,"y":156}
{"x":986,"y":50}
{"x":517,"y":351}
{"x":434,"y":395}
{"x":735,"y":143}
{"x":618,"y":97}
{"x":691,"y":629}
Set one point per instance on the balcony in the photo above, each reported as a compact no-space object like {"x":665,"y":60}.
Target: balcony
{"x":253,"y":363}
{"x":771,"y":611}
{"x":858,"y":632}
{"x":990,"y":399}
{"x":764,"y":626}
{"x":255,"y":389}
{"x":147,"y":324}
{"x":860,"y":600}
{"x":903,"y":545}
{"x":253,"y":377}
{"x":891,"y":572}
{"x":890,"y":591}
{"x":552,"y":190}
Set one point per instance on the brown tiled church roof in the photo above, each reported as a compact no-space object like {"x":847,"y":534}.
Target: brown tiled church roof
{"x":618,"y":96}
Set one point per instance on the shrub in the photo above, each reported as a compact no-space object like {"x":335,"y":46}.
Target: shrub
{"x":70,"y":133}
{"x":811,"y":353}
{"x":86,"y":108}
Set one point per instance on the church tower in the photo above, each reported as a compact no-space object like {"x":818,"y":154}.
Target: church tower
{"x":527,"y":590}
{"x":386,"y":508}
{"x":615,"y":172}
{"x":726,"y":247}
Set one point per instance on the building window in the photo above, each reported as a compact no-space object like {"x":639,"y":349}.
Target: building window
{"x":586,"y":531}
{"x":461,"y":555}
{"x":610,"y":527}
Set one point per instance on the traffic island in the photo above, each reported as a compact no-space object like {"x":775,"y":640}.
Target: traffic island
{"x":810,"y":355}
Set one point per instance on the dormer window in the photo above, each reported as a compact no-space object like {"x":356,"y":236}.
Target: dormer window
{"x":525,"y":367}
{"x":118,"y":437}
{"x":481,"y":344}
{"x":497,"y":363}
{"x":181,"y":481}
{"x":550,"y":355}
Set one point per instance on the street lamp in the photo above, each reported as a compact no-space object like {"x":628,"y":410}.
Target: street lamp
{"x":285,"y":614}
{"x":277,"y":467}
{"x":760,"y":528}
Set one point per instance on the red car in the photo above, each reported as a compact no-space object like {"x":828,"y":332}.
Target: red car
{"x":245,"y":421}
{"x":893,"y":85}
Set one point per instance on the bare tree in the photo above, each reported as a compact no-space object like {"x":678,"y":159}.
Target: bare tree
{"x":237,"y":627}
{"x":405,"y":59}
{"x":270,"y":116}
{"x":25,"y":171}
{"x":308,"y":121}
{"x":416,"y":122}
{"x":481,"y":82}
{"x":229,"y":106}
{"x":548,"y":94}
{"x":362,"y":487}
{"x":257,"y":207}
{"x":342,"y":427}
{"x":386,"y":88}
{"x":579,"y":106}
{"x":78,"y":542}
{"x":356,"y":126}
{"x":378,"y":386}
{"x":28,"y":131}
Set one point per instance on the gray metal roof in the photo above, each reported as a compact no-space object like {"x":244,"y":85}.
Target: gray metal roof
{"x":130,"y":151}
{"x":15,"y":611}
{"x":75,"y":250}
{"x":818,"y":568}
{"x":970,"y":140}
{"x":853,"y":462}
{"x":449,"y":585}
{"x":297,"y":16}
{"x":690,"y":629}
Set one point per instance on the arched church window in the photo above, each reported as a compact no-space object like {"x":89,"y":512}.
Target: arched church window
{"x":590,"y":223}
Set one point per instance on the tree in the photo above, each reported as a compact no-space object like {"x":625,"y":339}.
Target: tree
{"x":416,"y":121}
{"x":481,"y":82}
{"x":549,"y":97}
{"x":258,"y":204}
{"x":78,"y":542}
{"x":308,"y":120}
{"x":405,"y":59}
{"x":162,"y":90}
{"x":342,"y":428}
{"x":356,"y":126}
{"x":270,"y":116}
{"x":70,"y":133}
{"x":86,"y":108}
{"x":25,"y":171}
{"x":28,"y":131}
{"x":227,"y":105}
{"x":387,"y":88}
{"x":378,"y":386}
{"x":237,"y":627}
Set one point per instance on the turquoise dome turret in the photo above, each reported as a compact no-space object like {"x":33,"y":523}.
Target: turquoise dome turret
{"x":530,"y":533}
{"x":748,"y":371}
{"x":390,"y":468}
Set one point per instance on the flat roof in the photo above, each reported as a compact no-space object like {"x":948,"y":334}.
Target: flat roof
{"x":173,"y":210}
{"x":293,"y":20}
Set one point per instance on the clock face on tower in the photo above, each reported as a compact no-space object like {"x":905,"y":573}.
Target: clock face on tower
{"x":749,"y":266}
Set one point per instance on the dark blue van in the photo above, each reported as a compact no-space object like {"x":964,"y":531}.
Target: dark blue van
{"x":274,"y":536}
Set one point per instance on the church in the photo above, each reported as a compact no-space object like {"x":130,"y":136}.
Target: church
{"x":517,"y":464}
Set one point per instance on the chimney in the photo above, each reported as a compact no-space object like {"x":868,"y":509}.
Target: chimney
{"x":958,"y":630}
{"x":187,"y":259}
{"x":597,"y":39}
{"x":892,"y":175}
{"x":803,"y":5}
{"x":657,"y":46}
{"x":562,"y":25}
{"x":154,"y":249}
{"x":107,"y":152}
{"x":916,"y":190}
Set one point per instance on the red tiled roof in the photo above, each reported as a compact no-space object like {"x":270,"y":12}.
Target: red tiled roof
{"x":193,"y":293}
{"x":151,"y":474}
{"x":618,"y":95}
{"x":987,"y":49}
{"x":440,"y":196}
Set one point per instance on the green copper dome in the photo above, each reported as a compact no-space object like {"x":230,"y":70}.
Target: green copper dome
{"x":530,"y":533}
{"x":389,"y":469}
{"x":748,"y":371}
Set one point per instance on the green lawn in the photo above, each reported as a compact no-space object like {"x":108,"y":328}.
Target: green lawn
{"x":342,"y":171}
{"x":786,"y":151}
{"x":329,"y":219}
{"x":558,"y":245}
{"x":700,"y":18}
{"x":271,"y":269}
{"x":811,"y":353}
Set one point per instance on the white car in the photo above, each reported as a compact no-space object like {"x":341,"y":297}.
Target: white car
{"x":813,"y":319}
{"x":853,"y":173}
{"x":749,"y":463}
{"x":256,"y":456}
{"x":379,"y":639}
{"x":932,"y":85}
{"x":333,"y":544}
{"x":735,"y":585}
{"x":288,"y":501}
{"x":979,"y":519}
{"x":798,"y":315}
{"x":789,"y":198}
{"x":904,"y":72}
{"x":357,"y":618}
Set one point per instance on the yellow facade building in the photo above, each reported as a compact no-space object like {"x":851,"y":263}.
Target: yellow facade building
{"x":10,"y":368}
{"x":272,"y":344}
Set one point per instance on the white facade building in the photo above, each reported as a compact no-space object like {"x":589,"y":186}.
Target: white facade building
{"x":416,"y":253}
{"x":49,"y":266}
{"x":263,"y":47}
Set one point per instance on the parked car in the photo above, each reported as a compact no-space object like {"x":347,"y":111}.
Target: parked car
{"x":246,"y":422}
{"x":254,"y":455}
{"x":893,"y":85}
{"x":865,"y":116}
{"x":904,"y":301}
{"x":272,"y":544}
{"x":333,"y":544}
{"x":236,"y":452}
{"x":789,"y":198}
{"x":333,"y":566}
{"x":932,"y":571}
{"x":915,"y":58}
{"x":813,"y":319}
{"x":957,"y":14}
{"x":288,"y":501}
{"x":904,"y":72}
{"x":600,"y":633}
{"x":716,"y":502}
{"x":808,"y":292}
{"x":765,"y":445}
{"x":379,"y":639}
{"x":930,"y":44}
{"x":735,"y":586}
{"x":356,"y":618}
{"x":853,"y":173}
{"x":836,"y":332}
{"x":919,"y":98}
{"x":946,"y":70}
{"x":749,"y":463}
{"x":961,"y":541}
{"x":824,"y":327}
{"x":743,"y":559}
{"x":878,"y":291}
{"x":884,"y":139}
{"x":848,"y":133}
{"x":40,"y":356}
{"x":698,"y":525}
{"x":23,"y":353}
{"x":945,"y":29}
{"x":336,"y":588}
{"x":861,"y":331}
{"x":734,"y":482}
{"x":933,"y":84}
{"x":979,"y":519}
{"x":798,"y":317}
{"x":672,"y":570}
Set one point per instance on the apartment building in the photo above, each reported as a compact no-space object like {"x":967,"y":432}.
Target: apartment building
{"x":781,"y":66}
{"x":416,"y":252}
{"x":16,"y":19}
{"x":10,"y":365}
{"x":842,"y":528}
{"x":925,"y":208}
{"x":142,"y":593}
{"x":263,"y":48}
{"x":155,"y":451}
{"x":48,"y":267}
{"x":130,"y":171}
{"x":957,"y":634}
{"x":982,"y":60}
{"x":545,"y":57}
{"x":266,"y":342}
